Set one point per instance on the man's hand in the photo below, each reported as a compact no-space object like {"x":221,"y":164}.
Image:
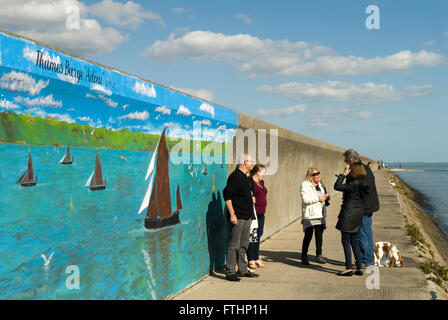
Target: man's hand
{"x":233,"y":219}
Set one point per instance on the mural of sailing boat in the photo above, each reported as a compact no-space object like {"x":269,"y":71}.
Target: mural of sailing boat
{"x":27,"y":179}
{"x":66,"y":158}
{"x":157,"y":200}
{"x":95,"y":181}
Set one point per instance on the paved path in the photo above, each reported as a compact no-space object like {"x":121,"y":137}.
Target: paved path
{"x":284,"y":278}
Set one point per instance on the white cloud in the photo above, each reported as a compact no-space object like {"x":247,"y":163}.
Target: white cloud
{"x":124,"y":14}
{"x":206,"y":122}
{"x":144,"y":89}
{"x":45,"y":20}
{"x":85,"y":119}
{"x":207,"y":45}
{"x":19,"y":81}
{"x":183,"y":111}
{"x":352,"y":65}
{"x":163,"y":110}
{"x":365,"y":115}
{"x":337,"y":91}
{"x":62,"y":117}
{"x":200,"y":93}
{"x":144,"y":115}
{"x":99,"y":88}
{"x":180,"y":10}
{"x":282,"y":111}
{"x":207,"y":108}
{"x":253,"y":55}
{"x":106,"y":100}
{"x":43,"y":114}
{"x":47,"y":101}
{"x":243,"y":17}
{"x":428,"y":43}
{"x":8,"y":105}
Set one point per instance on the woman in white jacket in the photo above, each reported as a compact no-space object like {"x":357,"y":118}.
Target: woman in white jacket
{"x":314,"y":202}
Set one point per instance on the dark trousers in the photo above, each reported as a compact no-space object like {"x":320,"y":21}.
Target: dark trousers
{"x":350,"y":241}
{"x":254,"y":247}
{"x":318,"y":232}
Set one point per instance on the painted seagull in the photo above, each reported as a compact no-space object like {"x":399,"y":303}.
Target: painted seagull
{"x":47,"y":261}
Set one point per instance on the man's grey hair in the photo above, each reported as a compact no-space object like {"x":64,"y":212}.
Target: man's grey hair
{"x":243,"y":158}
{"x":351,"y":154}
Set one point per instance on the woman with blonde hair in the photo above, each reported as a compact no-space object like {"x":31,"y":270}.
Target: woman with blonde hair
{"x":351,"y":214}
{"x":314,"y":201}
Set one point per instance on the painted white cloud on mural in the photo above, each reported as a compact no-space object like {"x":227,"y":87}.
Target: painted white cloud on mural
{"x":19,"y":81}
{"x":144,"y":115}
{"x":106,"y":100}
{"x":207,"y":108}
{"x":99,"y":88}
{"x":163,"y":110}
{"x":206,"y":122}
{"x":47,"y":101}
{"x":8,"y":105}
{"x":144,"y":89}
{"x":183,"y":111}
{"x":43,"y":114}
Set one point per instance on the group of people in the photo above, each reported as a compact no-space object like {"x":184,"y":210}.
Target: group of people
{"x":245,"y":198}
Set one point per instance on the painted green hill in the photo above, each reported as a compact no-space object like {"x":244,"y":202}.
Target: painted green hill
{"x":27,"y":129}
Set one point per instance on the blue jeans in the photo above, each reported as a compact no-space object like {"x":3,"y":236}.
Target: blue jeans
{"x":366,"y":240}
{"x":254,"y":247}
{"x":350,"y":241}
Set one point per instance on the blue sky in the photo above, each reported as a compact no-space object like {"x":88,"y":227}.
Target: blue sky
{"x":309,"y":66}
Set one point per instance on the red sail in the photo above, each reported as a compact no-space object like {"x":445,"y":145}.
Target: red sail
{"x":68,"y":152}
{"x":98,"y":177}
{"x":28,"y":176}
{"x":160,"y":202}
{"x":178,"y":200}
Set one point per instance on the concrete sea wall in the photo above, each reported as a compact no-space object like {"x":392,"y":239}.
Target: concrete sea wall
{"x":296,"y":153}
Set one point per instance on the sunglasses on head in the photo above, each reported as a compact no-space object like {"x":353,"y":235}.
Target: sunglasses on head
{"x":316,"y":174}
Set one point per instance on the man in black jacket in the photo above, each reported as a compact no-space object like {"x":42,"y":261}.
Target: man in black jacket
{"x":370,"y":205}
{"x":239,"y":203}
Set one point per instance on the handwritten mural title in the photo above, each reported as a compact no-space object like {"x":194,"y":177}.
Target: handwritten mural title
{"x":67,"y":70}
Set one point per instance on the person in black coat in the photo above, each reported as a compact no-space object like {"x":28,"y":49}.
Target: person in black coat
{"x":351,"y":214}
{"x":370,"y":205}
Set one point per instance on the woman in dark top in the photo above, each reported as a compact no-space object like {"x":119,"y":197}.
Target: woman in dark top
{"x":260,"y":192}
{"x":350,"y":216}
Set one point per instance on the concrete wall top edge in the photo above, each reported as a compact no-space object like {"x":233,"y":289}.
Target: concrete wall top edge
{"x":247,"y":121}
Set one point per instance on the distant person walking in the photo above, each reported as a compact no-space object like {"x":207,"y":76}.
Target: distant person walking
{"x":351,"y":214}
{"x":239,"y":203}
{"x":370,"y":204}
{"x":260,"y":192}
{"x":314,"y":201}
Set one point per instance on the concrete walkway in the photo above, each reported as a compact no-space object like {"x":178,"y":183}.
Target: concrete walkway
{"x":284,"y":278}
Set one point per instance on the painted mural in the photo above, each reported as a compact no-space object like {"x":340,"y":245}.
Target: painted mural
{"x":95,"y":202}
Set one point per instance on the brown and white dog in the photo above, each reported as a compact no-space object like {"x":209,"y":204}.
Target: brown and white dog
{"x":387,"y":255}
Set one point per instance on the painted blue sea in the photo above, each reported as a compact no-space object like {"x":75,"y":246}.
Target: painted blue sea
{"x":97,"y":231}
{"x":432,"y":182}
